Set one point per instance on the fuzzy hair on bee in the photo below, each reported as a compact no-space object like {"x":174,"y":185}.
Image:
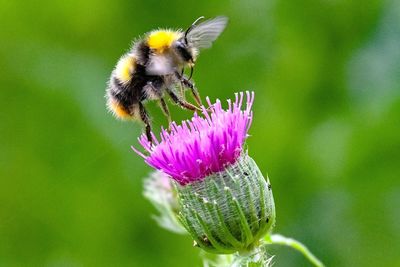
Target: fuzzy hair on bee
{"x":154,"y":68}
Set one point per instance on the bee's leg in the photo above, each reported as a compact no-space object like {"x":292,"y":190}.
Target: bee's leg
{"x":187,"y":83}
{"x":196,"y":95}
{"x":181,"y":102}
{"x":194,"y":90}
{"x":165,"y":110}
{"x":181,"y":85}
{"x":191,"y":73}
{"x":161,"y":101}
{"x":146,"y":120}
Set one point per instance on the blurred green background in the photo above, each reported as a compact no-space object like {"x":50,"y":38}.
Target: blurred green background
{"x":326,"y":127}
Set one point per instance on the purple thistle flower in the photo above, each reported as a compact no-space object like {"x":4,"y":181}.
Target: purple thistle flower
{"x":225,"y":203}
{"x":203,"y":145}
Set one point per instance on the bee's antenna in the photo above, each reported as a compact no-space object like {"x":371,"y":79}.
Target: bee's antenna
{"x":191,"y":27}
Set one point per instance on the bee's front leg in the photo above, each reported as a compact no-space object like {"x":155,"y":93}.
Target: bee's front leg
{"x":181,"y":102}
{"x":188,"y":84}
{"x":181,"y":86}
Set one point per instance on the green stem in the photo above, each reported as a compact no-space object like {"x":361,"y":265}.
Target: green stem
{"x":290,"y":242}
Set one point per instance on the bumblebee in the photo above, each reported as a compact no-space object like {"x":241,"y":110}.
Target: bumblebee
{"x":154,"y":67}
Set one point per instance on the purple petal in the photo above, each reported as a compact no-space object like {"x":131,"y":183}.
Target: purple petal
{"x":203,"y":145}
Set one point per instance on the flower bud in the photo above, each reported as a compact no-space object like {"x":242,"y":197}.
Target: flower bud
{"x":158,"y":189}
{"x":228,"y":211}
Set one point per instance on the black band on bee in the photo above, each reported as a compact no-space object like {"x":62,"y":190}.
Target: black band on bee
{"x":143,"y":53}
{"x":121,"y":93}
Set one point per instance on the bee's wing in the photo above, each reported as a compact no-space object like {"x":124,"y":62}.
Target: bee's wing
{"x":204,"y":34}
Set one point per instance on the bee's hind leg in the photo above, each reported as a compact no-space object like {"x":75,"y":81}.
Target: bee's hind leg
{"x":181,"y":102}
{"x":146,"y":120}
{"x":163,"y":105}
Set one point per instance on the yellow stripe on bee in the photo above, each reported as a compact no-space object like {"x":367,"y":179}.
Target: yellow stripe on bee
{"x":162,"y":39}
{"x":125,"y":68}
{"x":118,"y":110}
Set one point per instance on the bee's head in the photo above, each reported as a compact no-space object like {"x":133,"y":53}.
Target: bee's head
{"x":184,"y":52}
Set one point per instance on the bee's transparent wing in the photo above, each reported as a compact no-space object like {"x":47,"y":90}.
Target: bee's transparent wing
{"x":204,"y":34}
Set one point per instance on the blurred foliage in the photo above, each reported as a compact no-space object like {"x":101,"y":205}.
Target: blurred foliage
{"x":326,"y":127}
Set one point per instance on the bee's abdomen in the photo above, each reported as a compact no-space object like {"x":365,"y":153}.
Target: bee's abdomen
{"x":125,"y":68}
{"x":121,"y":99}
{"x":120,"y":111}
{"x":129,"y":83}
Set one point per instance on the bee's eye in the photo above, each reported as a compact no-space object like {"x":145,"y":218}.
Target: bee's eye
{"x":183,"y":51}
{"x":180,"y":45}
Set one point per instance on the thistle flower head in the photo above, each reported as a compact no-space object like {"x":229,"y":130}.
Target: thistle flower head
{"x":203,"y":145}
{"x":225,"y":203}
{"x":217,"y":192}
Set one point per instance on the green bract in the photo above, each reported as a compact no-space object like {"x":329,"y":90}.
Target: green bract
{"x":229,"y":211}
